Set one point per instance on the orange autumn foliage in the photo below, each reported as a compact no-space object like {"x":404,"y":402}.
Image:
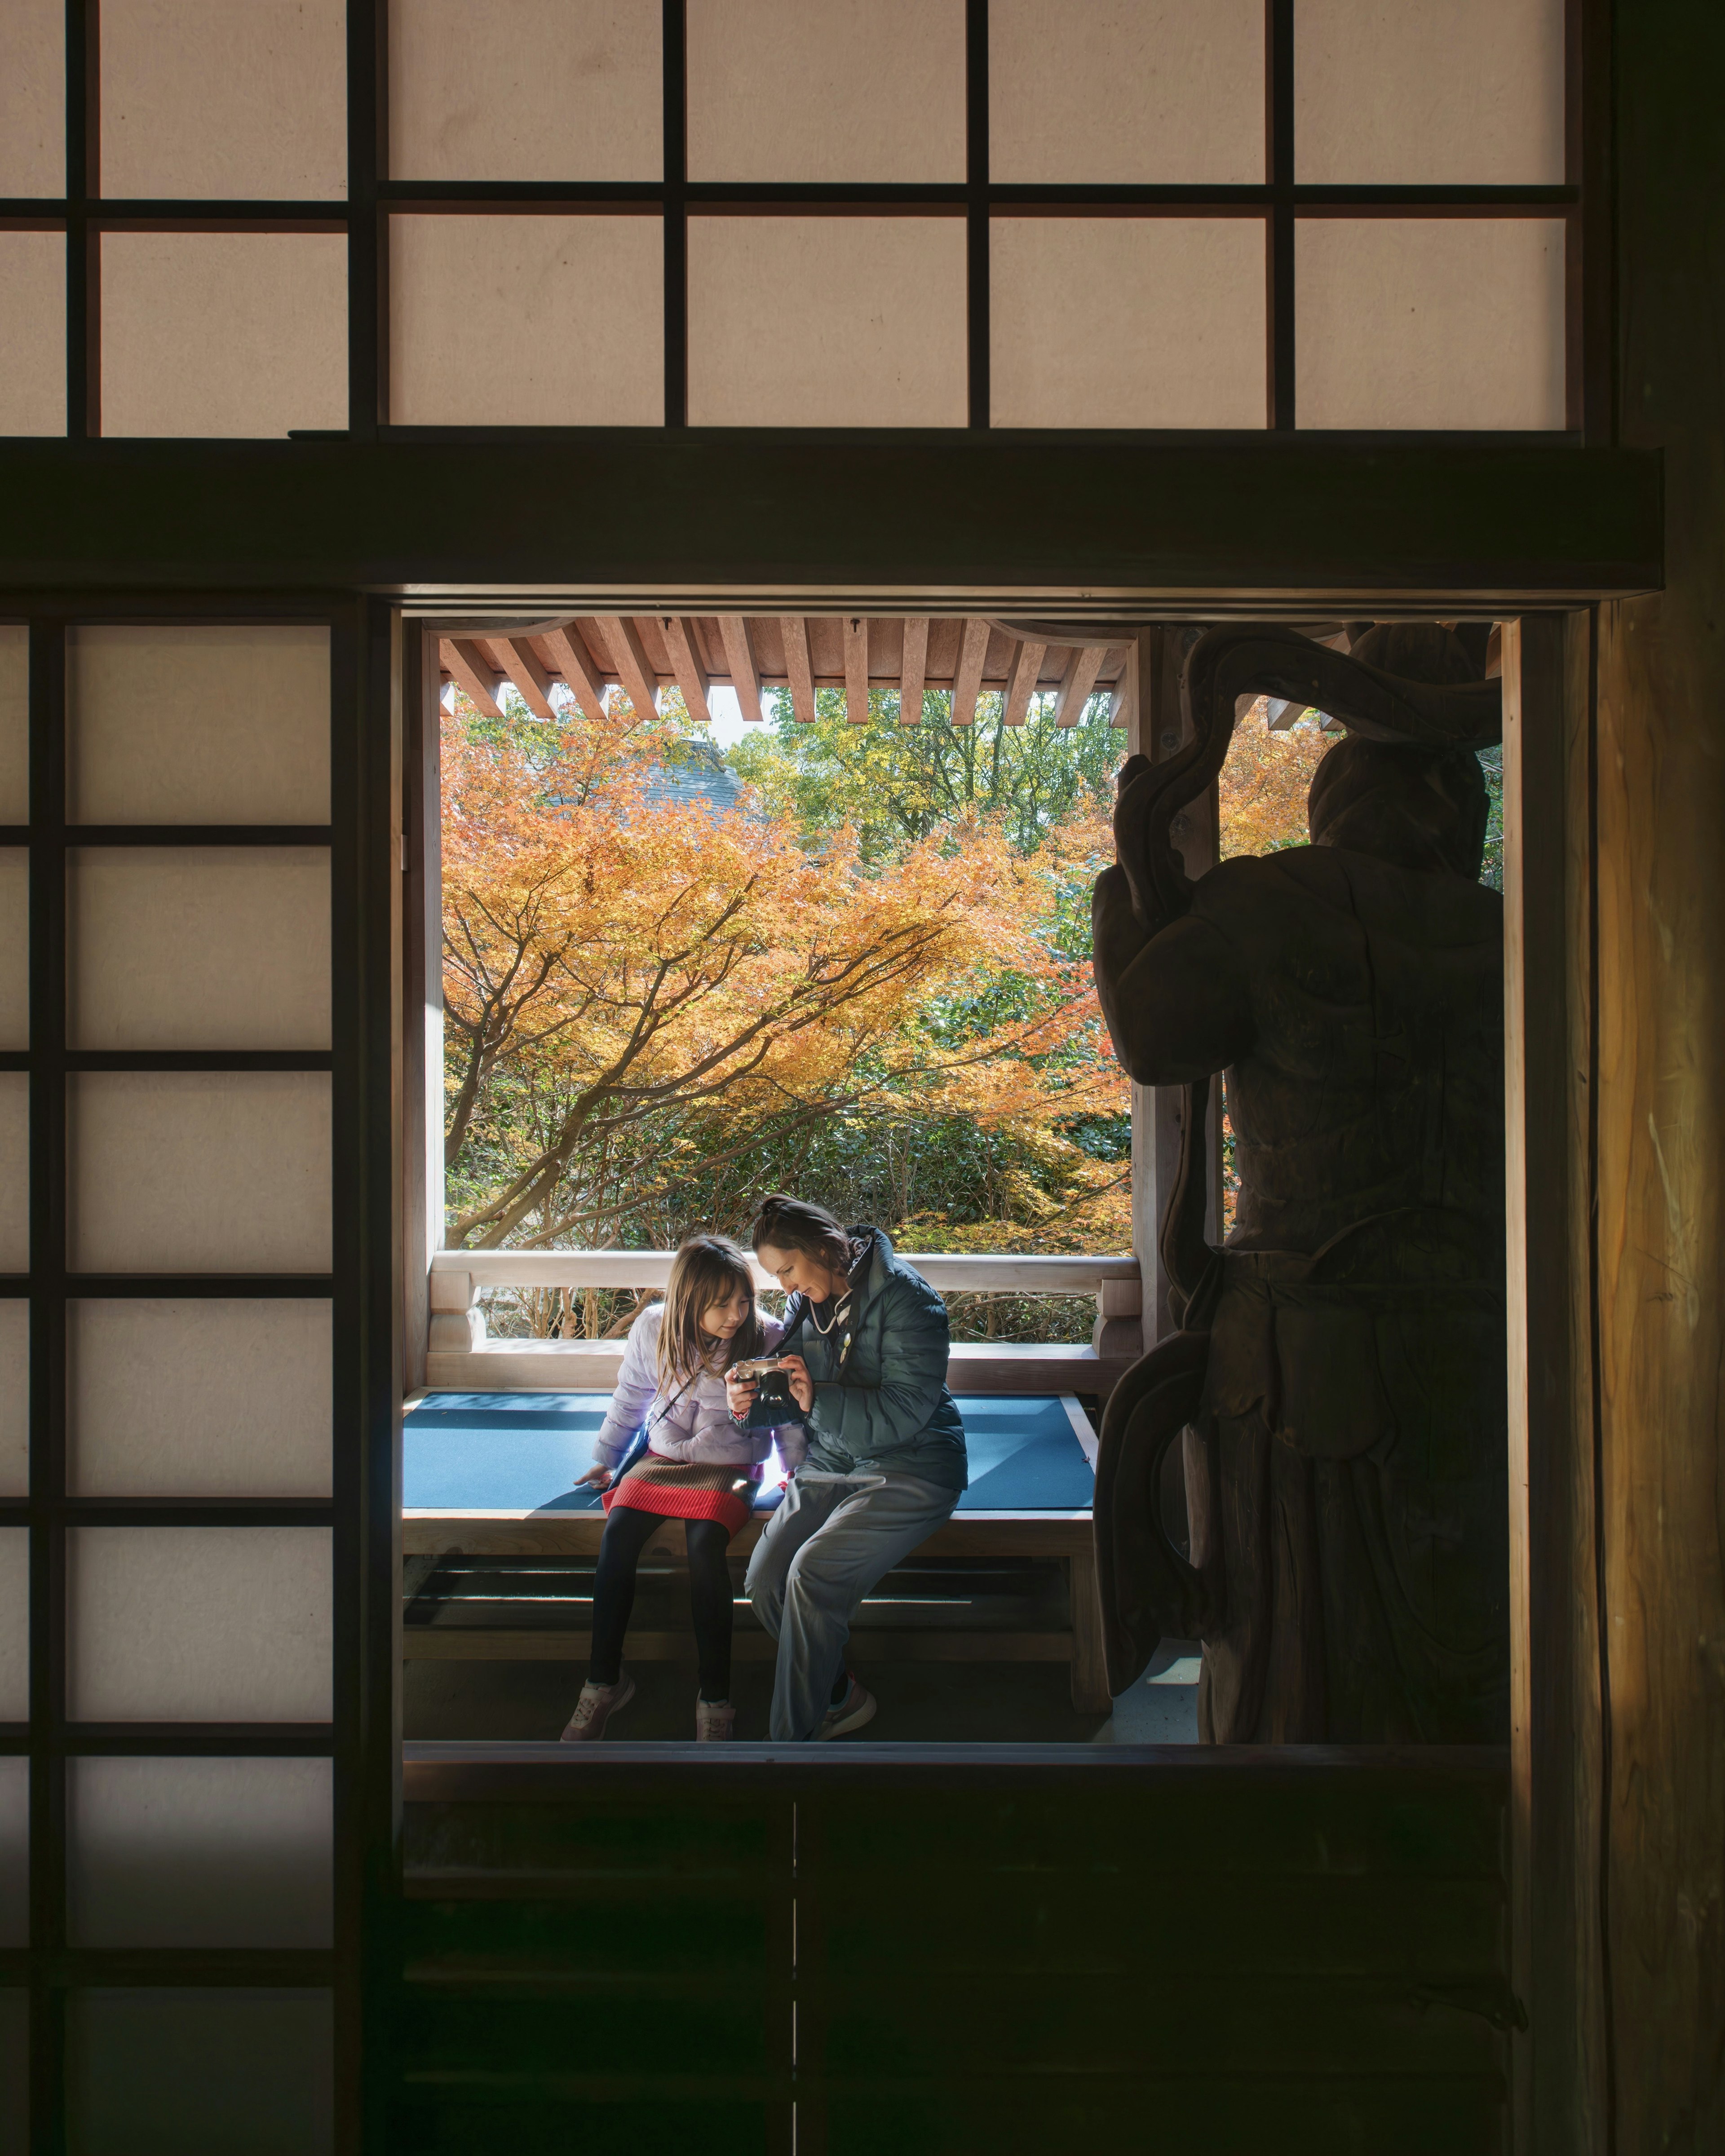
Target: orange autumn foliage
{"x":633,"y":980}
{"x":1261,"y":792}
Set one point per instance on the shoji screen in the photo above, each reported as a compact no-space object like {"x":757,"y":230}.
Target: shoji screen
{"x":179,"y":1459}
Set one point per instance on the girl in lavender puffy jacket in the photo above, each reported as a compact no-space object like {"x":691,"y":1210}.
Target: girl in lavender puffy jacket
{"x":700,"y":1466}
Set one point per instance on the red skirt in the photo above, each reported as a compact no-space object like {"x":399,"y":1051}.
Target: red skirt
{"x":687,"y":1489}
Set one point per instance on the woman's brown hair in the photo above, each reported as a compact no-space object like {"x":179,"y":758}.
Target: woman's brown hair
{"x":706,"y":1270}
{"x":793,"y":1223}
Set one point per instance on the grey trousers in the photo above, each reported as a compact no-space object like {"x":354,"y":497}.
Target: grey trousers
{"x":830,"y":1539}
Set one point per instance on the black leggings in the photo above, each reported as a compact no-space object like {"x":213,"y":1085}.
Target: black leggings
{"x":627,"y":1530}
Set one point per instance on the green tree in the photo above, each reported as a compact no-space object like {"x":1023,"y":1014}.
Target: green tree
{"x":898,"y":784}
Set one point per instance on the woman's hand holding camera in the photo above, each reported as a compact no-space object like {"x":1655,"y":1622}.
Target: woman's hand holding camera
{"x":796,"y":1377}
{"x":743,"y":1383}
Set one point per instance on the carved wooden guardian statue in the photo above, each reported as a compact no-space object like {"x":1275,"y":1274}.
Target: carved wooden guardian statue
{"x":1340,"y":1377}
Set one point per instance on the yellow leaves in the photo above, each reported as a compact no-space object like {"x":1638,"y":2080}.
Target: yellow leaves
{"x":1264,"y":783}
{"x":652,"y":936}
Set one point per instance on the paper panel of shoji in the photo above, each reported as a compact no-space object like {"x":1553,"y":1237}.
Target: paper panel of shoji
{"x":178,"y":2072}
{"x":205,"y":1397}
{"x":14,"y":1172}
{"x":14,"y":723}
{"x":15,"y":1624}
{"x":198,"y":1172}
{"x":866,"y":327}
{"x":211,"y":1853}
{"x":526,"y":321}
{"x":33,"y":97}
{"x":223,"y":333}
{"x":14,"y":947}
{"x":224,"y":101}
{"x":198,"y":947}
{"x":33,"y":333}
{"x":866,"y":90}
{"x":198,"y":725}
{"x":1127,"y":92}
{"x":14,"y":1854}
{"x":1470,"y":93}
{"x":526,"y":90}
{"x":1180,"y":343}
{"x":14,"y":1396}
{"x":1429,"y":322}
{"x":198,"y":1624}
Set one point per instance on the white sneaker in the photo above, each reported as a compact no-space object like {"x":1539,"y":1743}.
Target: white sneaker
{"x":715,"y":1720}
{"x":595,"y":1708}
{"x":856,"y":1707}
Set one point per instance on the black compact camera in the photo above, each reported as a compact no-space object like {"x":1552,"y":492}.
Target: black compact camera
{"x":772,"y":1402}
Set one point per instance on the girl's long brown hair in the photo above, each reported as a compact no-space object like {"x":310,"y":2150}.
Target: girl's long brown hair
{"x":706,"y":1270}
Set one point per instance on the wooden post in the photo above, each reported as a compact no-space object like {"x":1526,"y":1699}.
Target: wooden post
{"x":1554,"y":1715}
{"x":422,"y":996}
{"x":1089,"y":1664}
{"x":458,"y":1327}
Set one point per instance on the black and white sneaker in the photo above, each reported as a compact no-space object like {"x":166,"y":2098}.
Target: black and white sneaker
{"x":856,"y":1707}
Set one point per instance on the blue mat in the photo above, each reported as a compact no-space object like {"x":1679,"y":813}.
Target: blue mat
{"x":520,"y":1452}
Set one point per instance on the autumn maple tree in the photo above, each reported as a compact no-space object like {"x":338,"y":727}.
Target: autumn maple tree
{"x":639,"y":991}
{"x":865,"y":975}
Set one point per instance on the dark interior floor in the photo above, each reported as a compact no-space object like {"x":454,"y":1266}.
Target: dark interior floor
{"x":977,"y":1702}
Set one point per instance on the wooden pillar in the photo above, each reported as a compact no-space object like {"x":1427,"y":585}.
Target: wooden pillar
{"x":1554,"y":1710}
{"x":1659,"y":1089}
{"x":422,"y":994}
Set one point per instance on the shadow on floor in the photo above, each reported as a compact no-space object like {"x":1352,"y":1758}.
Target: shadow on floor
{"x":974,"y":1702}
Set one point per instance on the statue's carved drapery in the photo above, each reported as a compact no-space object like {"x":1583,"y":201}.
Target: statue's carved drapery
{"x":1339,"y":1379}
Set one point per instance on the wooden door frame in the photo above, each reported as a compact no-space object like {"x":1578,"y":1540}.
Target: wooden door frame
{"x":1550,"y":1049}
{"x":1560,"y":1760}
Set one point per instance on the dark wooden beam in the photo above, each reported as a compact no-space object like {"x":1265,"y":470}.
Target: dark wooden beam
{"x":1299,"y":519}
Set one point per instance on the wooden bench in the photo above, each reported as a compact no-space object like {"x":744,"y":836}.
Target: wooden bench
{"x":560,"y":1528}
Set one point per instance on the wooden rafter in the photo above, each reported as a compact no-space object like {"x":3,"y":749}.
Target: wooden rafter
{"x":913,"y":670}
{"x":642,"y":654}
{"x":740,"y":657}
{"x":473,"y":672}
{"x":1082,"y":668}
{"x":679,"y":640}
{"x":522,"y":664}
{"x":640,"y":683}
{"x":587,"y":683}
{"x":856,"y":670}
{"x":1021,"y":681}
{"x":968,"y":681}
{"x":1125,"y":690}
{"x":798,"y":667}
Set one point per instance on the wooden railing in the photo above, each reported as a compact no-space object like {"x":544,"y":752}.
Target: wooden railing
{"x":463,"y":1356}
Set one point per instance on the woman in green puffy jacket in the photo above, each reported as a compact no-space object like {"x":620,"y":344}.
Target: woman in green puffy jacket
{"x":865,"y":1356}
